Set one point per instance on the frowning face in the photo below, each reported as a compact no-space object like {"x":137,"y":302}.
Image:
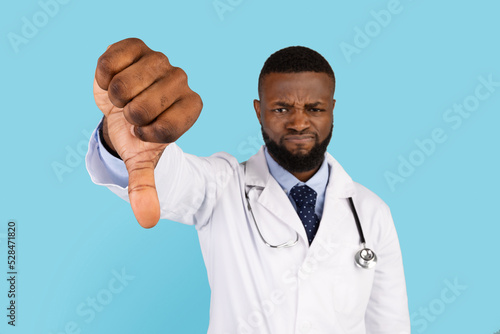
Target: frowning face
{"x":296,"y":115}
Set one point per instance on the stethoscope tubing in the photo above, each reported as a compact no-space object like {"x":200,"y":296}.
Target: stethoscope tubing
{"x":289,"y":243}
{"x":358,"y":223}
{"x":364,"y":258}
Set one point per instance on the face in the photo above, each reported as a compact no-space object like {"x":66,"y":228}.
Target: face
{"x":296,"y":115}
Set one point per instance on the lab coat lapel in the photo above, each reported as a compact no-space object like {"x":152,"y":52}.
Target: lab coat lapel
{"x":337,"y":214}
{"x":272,"y":197}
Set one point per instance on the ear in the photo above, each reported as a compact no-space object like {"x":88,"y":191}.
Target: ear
{"x":256,"y":106}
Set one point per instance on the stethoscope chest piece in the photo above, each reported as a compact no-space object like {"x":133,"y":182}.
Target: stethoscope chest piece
{"x":365,"y":258}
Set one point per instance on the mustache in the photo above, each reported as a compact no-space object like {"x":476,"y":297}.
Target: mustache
{"x":299,"y":133}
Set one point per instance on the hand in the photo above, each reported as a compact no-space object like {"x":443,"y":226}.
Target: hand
{"x":147,"y":104}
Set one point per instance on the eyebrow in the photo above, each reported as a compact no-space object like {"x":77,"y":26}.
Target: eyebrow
{"x":288,"y":105}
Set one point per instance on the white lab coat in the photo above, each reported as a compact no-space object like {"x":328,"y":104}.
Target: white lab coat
{"x":303,"y":289}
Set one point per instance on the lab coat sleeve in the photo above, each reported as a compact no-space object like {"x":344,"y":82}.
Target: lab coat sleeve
{"x":387,"y":311}
{"x":188,"y":186}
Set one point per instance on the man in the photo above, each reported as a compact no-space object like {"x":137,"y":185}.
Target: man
{"x":277,"y":232}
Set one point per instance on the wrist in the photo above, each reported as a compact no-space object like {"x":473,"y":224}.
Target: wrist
{"x":105,"y":140}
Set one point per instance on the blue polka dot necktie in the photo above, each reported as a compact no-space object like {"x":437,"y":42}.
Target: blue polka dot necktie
{"x":305,"y":199}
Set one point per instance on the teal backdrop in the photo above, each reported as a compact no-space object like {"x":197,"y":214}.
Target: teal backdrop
{"x":416,"y":121}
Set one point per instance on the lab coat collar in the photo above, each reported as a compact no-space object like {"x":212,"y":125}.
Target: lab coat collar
{"x":340,"y":183}
{"x":272,"y":197}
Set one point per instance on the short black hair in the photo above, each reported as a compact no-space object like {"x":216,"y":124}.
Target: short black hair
{"x":294,"y":59}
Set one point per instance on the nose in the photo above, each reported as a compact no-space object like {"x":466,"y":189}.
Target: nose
{"x":298,"y":120}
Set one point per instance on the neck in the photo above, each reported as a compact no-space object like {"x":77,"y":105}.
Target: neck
{"x":304,"y":176}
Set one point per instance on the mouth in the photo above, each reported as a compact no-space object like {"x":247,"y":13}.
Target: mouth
{"x":299,"y":139}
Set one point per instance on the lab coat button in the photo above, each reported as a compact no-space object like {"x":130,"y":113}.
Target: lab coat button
{"x":305,"y":327}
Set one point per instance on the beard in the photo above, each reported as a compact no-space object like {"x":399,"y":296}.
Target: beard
{"x":297,"y":163}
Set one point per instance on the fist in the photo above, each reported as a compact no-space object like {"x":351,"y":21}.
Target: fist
{"x":153,"y":95}
{"x":147,"y":104}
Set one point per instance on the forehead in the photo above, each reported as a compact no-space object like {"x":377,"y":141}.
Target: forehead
{"x":301,"y":85}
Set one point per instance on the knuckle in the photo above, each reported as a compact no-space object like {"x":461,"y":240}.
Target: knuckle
{"x":136,"y":114}
{"x":195,"y":102}
{"x":165,"y":133}
{"x":157,"y":133}
{"x":180,"y":75}
{"x":165,"y":101}
{"x":135,"y":40}
{"x":118,"y":89}
{"x":140,"y":133}
{"x":105,"y":65}
{"x":161,"y":61}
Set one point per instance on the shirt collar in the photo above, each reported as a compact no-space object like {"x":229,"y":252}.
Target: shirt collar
{"x":287,"y":180}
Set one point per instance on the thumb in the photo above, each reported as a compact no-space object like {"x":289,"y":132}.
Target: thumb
{"x":142,"y":192}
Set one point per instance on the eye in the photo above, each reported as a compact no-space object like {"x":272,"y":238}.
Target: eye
{"x":280,"y":110}
{"x":315,"y":109}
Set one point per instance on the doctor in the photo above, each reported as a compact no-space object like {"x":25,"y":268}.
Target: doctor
{"x":278,"y":233}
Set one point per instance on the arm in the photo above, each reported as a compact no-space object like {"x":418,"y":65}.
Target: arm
{"x":188,"y":186}
{"x":147,"y":105}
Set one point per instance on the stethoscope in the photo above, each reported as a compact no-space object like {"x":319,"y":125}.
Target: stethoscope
{"x":364,"y":258}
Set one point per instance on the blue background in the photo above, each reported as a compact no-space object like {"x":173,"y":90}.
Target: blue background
{"x":74,"y":236}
